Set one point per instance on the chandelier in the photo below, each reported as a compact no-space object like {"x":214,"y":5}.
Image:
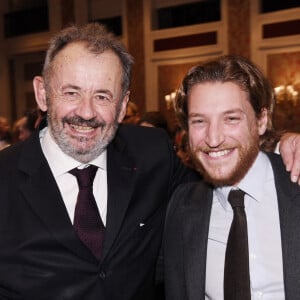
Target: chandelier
{"x":169,"y":99}
{"x":286,"y":93}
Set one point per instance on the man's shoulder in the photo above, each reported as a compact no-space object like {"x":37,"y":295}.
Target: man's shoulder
{"x":194,"y":197}
{"x":11,"y":152}
{"x":131,"y":131}
{"x":281,"y":176}
{"x":142,"y":137}
{"x":26,"y":150}
{"x":277,"y":163}
{"x":189,"y":194}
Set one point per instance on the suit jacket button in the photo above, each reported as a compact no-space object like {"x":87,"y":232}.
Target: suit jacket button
{"x":102,"y":275}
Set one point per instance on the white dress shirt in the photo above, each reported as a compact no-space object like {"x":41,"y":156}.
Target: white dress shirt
{"x":60,"y":164}
{"x":264,"y":238}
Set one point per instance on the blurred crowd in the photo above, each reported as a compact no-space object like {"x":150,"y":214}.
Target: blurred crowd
{"x":21,"y":128}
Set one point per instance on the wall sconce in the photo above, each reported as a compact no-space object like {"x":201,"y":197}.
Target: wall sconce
{"x":170,"y":98}
{"x":286,"y":93}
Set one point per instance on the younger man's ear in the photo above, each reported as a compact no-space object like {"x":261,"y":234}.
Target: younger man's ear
{"x":262,"y":122}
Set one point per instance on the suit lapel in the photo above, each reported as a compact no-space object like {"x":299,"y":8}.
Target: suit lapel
{"x":42,"y":193}
{"x":121,"y":174}
{"x":196,"y":216}
{"x":288,"y":195}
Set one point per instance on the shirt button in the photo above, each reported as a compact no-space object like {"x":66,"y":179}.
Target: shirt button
{"x":102,"y":275}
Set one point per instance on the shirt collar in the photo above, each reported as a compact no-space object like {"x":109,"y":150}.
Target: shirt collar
{"x":253,"y":182}
{"x":59,"y":162}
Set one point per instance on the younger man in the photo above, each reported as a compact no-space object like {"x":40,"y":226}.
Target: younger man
{"x":226,"y":107}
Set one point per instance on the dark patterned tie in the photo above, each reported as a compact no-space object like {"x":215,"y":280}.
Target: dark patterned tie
{"x":236,"y":272}
{"x":87,"y":221}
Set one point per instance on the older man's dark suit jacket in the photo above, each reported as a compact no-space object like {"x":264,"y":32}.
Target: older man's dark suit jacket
{"x":186,"y":234}
{"x":41,"y":258}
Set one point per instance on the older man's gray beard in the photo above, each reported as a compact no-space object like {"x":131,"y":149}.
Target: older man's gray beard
{"x":80,"y":154}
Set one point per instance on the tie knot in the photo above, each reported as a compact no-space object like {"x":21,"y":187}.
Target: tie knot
{"x":85,"y":177}
{"x":236,"y":198}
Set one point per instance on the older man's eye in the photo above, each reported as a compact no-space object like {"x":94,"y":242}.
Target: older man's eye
{"x":233,"y":119}
{"x":70,"y":95}
{"x":104,"y":98}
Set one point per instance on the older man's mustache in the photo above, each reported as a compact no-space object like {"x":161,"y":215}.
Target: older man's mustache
{"x":78,"y":121}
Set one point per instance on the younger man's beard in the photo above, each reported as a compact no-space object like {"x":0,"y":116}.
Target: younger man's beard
{"x":246,"y":159}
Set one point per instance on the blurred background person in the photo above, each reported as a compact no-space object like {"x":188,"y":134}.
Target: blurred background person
{"x":181,"y":147}
{"x":24,"y":126}
{"x":153,"y":119}
{"x":5,"y":133}
{"x":132,"y":114}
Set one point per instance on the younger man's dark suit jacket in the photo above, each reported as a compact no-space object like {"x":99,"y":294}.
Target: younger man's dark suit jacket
{"x":41,"y":258}
{"x":186,"y":235}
